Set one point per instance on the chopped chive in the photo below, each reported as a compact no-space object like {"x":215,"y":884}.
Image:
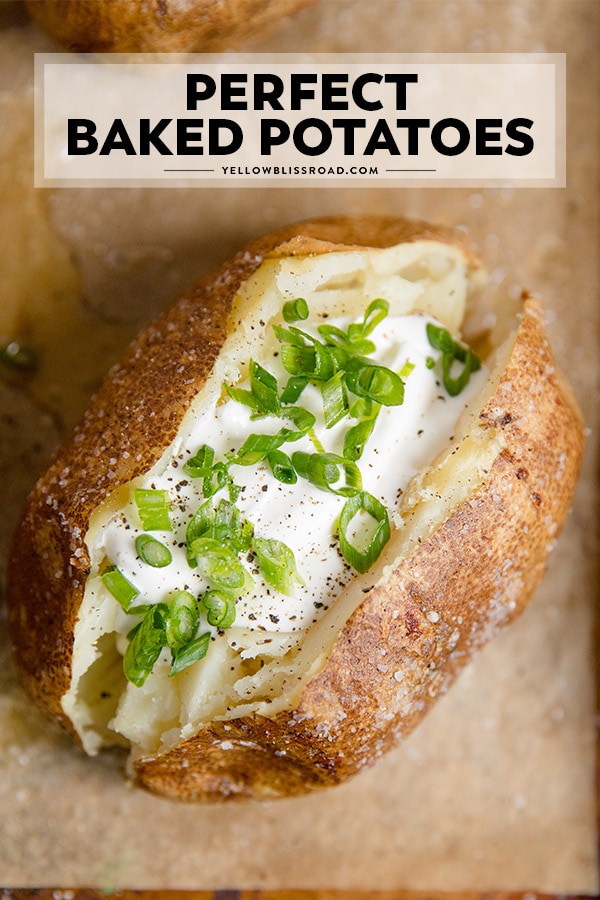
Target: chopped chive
{"x":247,"y":398}
{"x":152,"y":552}
{"x":200,"y":465}
{"x":375,"y":313}
{"x":181,"y":619}
{"x":357,"y":436}
{"x":360,"y":551}
{"x":220,"y":608}
{"x":294,"y":310}
{"x":218,"y":478}
{"x":153,"y":509}
{"x":118,"y":585}
{"x":301,"y":418}
{"x":375,"y":382}
{"x":452,"y":352}
{"x":256,"y":447}
{"x":145,"y":646}
{"x":190,"y":653}
{"x":200,"y":525}
{"x":293,"y":388}
{"x":265,"y":389}
{"x":406,"y":369}
{"x":455,"y":384}
{"x":229,"y":527}
{"x":327,"y":470}
{"x":335,"y":400}
{"x":303,"y":354}
{"x":282,"y":467}
{"x":220,"y":566}
{"x":277,"y":564}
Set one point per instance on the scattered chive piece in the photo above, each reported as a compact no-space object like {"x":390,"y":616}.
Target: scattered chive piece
{"x":122,"y":590}
{"x":153,"y":509}
{"x":145,"y":646}
{"x":335,"y":399}
{"x":375,"y":313}
{"x":256,"y":447}
{"x":375,"y":382}
{"x":152,"y":552}
{"x":294,"y":310}
{"x":441,"y":339}
{"x":181,"y":619}
{"x":190,"y":653}
{"x":326,"y":470}
{"x":200,"y":465}
{"x":357,"y":436}
{"x":265,"y":389}
{"x":220,"y":608}
{"x":282,"y":467}
{"x":362,"y":558}
{"x":220,"y":565}
{"x":293,"y":388}
{"x":277,"y":564}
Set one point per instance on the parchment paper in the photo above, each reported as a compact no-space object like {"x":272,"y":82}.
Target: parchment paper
{"x":496,"y":789}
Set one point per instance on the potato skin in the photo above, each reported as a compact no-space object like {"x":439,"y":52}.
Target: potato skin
{"x":477,"y":565}
{"x":157,"y":26}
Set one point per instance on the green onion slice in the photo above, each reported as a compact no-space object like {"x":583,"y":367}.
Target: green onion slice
{"x":220,"y":566}
{"x":218,"y":478}
{"x":357,"y":436}
{"x":375,"y":382}
{"x":375,"y":313}
{"x":335,"y":400}
{"x":294,"y":310}
{"x":452,"y":352}
{"x":200,"y":465}
{"x":152,"y":552}
{"x":454,"y":384}
{"x":190,"y":653}
{"x":200,"y":525}
{"x":302,"y":419}
{"x":153,"y":509}
{"x":256,"y":447}
{"x":145,"y":646}
{"x":265,"y":389}
{"x":293,"y":389}
{"x":303,"y":354}
{"x":327,"y":470}
{"x":181,"y":619}
{"x":277,"y":564}
{"x":229,"y":528}
{"x":282,"y":467}
{"x":220,"y":608}
{"x":362,"y":550}
{"x":122,"y":590}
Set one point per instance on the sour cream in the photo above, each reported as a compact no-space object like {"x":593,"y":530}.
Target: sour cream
{"x":404,"y":440}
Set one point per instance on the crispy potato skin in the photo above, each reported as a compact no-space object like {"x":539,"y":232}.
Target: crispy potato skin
{"x":478,"y":566}
{"x":157,"y":26}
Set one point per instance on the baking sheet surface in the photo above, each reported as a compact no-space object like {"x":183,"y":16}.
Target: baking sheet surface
{"x":496,"y":789}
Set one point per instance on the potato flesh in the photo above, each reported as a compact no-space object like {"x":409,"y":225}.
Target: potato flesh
{"x":423,"y":276}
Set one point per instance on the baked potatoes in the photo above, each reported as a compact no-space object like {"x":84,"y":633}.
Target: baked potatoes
{"x":269,"y":665}
{"x":157,"y":26}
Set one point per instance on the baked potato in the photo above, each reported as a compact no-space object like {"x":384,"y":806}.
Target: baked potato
{"x":294,"y":511}
{"x":157,"y":26}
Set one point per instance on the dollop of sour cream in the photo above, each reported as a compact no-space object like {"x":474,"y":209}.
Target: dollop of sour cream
{"x":404,"y":440}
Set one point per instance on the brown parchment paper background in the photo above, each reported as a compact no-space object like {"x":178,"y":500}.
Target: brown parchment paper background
{"x":496,"y":789}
